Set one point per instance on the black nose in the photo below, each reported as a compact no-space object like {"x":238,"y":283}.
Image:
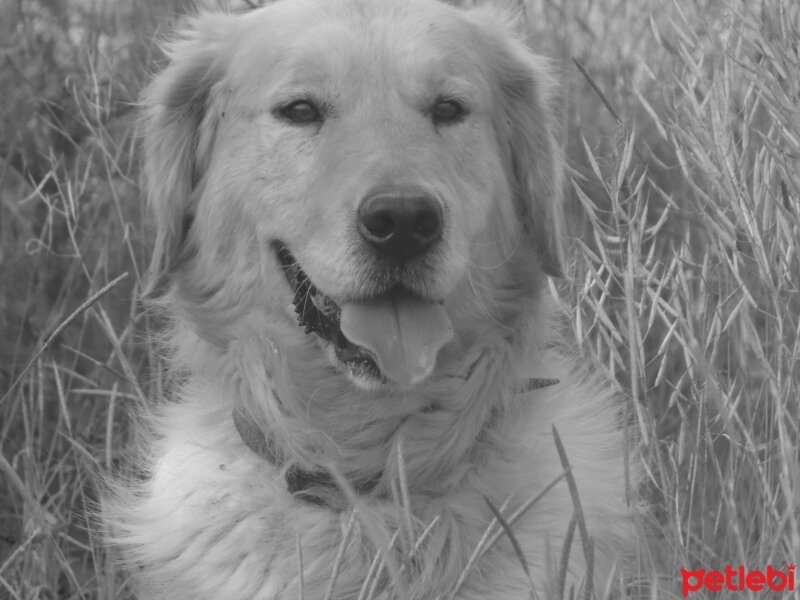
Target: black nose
{"x":400,"y":224}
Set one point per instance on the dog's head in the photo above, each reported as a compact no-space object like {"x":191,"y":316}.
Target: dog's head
{"x":387,"y":170}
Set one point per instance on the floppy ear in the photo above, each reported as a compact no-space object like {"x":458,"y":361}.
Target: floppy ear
{"x":178,"y":133}
{"x":527,"y":129}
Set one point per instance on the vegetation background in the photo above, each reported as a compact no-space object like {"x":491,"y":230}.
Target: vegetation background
{"x":684,"y":282}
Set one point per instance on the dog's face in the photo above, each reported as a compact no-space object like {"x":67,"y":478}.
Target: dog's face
{"x":381,"y":168}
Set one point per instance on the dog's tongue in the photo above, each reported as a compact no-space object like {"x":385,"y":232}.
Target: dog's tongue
{"x":404,"y":334}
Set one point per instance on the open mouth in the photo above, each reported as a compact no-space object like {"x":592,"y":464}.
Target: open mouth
{"x":394,"y":336}
{"x":320,"y":315}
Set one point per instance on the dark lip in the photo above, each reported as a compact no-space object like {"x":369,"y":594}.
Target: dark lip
{"x":320,"y":315}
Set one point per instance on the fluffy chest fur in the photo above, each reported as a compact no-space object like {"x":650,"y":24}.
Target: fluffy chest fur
{"x":215,"y":520}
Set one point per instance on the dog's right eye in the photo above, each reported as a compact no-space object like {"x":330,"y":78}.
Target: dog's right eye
{"x":301,"y":112}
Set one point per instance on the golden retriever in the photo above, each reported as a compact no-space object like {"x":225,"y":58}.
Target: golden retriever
{"x":358,"y":205}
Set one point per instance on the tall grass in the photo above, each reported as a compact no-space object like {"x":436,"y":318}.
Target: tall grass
{"x":684,"y":280}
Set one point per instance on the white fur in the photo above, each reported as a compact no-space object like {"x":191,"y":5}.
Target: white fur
{"x":212,"y":519}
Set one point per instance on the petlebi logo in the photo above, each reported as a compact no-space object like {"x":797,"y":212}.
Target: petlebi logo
{"x":738,"y":579}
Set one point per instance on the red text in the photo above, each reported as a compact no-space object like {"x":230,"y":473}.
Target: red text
{"x":738,"y":580}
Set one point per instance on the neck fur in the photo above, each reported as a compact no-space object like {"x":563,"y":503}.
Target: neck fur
{"x":317,"y":420}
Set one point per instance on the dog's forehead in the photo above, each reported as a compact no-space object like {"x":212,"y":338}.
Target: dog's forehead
{"x":352,"y":40}
{"x":298,"y":15}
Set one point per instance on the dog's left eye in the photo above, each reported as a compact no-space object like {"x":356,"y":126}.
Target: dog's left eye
{"x":301,"y":112}
{"x":447,"y":111}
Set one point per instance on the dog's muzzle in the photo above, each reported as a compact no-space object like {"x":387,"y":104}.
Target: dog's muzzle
{"x":394,"y":336}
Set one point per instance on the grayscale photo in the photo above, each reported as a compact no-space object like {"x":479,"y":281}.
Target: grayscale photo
{"x":399,"y":299}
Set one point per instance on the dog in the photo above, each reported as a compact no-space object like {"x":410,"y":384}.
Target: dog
{"x":358,"y":212}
